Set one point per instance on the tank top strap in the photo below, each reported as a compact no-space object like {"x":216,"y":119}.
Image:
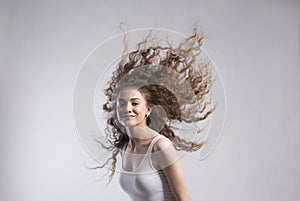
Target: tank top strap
{"x":149,"y":151}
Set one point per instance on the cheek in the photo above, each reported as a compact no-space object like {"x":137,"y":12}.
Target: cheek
{"x":141,"y":110}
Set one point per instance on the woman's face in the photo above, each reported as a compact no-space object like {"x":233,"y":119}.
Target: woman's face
{"x":132,"y":108}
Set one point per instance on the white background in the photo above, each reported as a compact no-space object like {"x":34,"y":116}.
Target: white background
{"x":255,"y":45}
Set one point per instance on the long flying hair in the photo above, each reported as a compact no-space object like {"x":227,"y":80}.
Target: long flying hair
{"x":183,"y":96}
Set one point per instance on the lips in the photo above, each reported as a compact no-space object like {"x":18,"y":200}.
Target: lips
{"x":128,"y":116}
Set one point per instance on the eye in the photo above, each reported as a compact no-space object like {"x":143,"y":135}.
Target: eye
{"x":135,"y":103}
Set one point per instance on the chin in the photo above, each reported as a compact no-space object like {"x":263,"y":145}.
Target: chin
{"x":128,"y":123}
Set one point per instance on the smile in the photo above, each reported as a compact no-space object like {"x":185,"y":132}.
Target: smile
{"x":128,"y":116}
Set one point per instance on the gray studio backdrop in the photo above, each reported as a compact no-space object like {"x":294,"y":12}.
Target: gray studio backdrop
{"x":255,"y":45}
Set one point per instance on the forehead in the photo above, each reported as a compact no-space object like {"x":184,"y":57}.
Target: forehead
{"x":129,"y":93}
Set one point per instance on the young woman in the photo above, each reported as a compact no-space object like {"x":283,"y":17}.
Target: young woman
{"x":143,"y":178}
{"x":152,"y":90}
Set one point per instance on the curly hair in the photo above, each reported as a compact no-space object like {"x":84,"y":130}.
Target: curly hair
{"x":170,"y":78}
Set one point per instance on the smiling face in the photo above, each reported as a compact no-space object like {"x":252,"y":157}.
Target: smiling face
{"x":132,"y":108}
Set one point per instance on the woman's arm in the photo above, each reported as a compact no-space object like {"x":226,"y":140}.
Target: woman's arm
{"x":167,"y":159}
{"x":174,"y":174}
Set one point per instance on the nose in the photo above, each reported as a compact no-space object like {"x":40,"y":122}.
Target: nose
{"x":128,"y":107}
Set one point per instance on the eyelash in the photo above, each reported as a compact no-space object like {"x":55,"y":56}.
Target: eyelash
{"x":133,"y":104}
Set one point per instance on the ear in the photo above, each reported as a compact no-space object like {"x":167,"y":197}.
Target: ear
{"x":149,"y":110}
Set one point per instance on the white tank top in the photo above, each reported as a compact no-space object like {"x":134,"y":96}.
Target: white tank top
{"x":145,"y":183}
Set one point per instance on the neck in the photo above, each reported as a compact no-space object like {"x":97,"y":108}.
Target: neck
{"x":140,"y":135}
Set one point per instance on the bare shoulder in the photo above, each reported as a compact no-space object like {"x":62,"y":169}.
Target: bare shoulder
{"x":161,"y":143}
{"x":164,"y":154}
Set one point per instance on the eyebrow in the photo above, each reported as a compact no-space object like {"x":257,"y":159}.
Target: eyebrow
{"x":132,"y":99}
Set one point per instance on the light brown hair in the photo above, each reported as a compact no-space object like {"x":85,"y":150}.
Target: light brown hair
{"x":183,"y":97}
